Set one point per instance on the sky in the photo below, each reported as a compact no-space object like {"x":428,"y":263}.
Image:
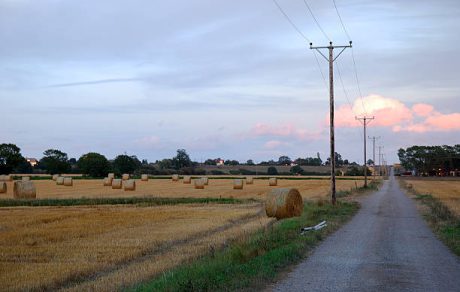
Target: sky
{"x":228,"y":79}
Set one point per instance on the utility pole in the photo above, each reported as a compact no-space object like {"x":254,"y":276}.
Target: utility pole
{"x":373,"y":152}
{"x":380,"y":155}
{"x":365,"y":120}
{"x":331,"y":60}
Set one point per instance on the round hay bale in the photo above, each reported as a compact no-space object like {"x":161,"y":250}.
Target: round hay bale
{"x":116,"y":184}
{"x":107,"y":181}
{"x":199,"y":183}
{"x":284,"y":203}
{"x":175,"y":177}
{"x":273,"y":181}
{"x":187,"y":180}
{"x":111,"y":175}
{"x":129,"y":185}
{"x":55,"y":177}
{"x":2,"y":177}
{"x":3,"y":187}
{"x":145,"y":177}
{"x":237,"y":184}
{"x":68,"y":181}
{"x":9,"y":177}
{"x":249,"y":180}
{"x":205,"y":181}
{"x":25,"y":178}
{"x":60,"y":181}
{"x":125,"y":176}
{"x":24,"y":190}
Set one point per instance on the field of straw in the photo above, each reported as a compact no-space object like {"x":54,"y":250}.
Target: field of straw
{"x":447,"y":191}
{"x":309,"y":189}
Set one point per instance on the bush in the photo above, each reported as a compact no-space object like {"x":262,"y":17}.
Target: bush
{"x":272,"y":171}
{"x":247,"y":172}
{"x":217,"y":172}
{"x":94,"y":164}
{"x":234,"y":172}
{"x":296,"y":170}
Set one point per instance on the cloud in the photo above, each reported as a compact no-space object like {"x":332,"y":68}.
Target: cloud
{"x":274,"y":144}
{"x":390,"y":112}
{"x":94,"y":82}
{"x":286,"y":130}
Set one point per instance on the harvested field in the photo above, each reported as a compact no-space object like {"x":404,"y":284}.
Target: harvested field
{"x":309,"y":189}
{"x":447,"y":191}
{"x":110,"y":247}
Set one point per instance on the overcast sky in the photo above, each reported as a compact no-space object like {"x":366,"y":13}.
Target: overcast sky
{"x":229,"y":79}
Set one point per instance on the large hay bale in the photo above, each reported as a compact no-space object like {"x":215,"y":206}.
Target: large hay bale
{"x":68,"y":181}
{"x":273,"y":181}
{"x":55,"y":177}
{"x":25,"y":178}
{"x":237,"y":184}
{"x":199,"y":183}
{"x":129,"y":185}
{"x":249,"y":180}
{"x":175,"y":177}
{"x":2,"y":177}
{"x":116,"y":184}
{"x":107,"y":181}
{"x":284,"y":203}
{"x":111,"y":175}
{"x":144,"y":177}
{"x":24,"y":190}
{"x":3,"y":187}
{"x":187,"y":180}
{"x":125,"y":176}
{"x":6,"y":177}
{"x":60,"y":181}
{"x":205,"y":181}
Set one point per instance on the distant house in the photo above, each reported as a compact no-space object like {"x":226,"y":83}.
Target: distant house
{"x":219,"y":162}
{"x":32,"y":161}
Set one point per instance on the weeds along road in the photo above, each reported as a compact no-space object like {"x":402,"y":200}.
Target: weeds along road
{"x":386,"y":247}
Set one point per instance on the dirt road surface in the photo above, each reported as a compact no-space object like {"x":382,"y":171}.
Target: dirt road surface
{"x":386,"y":247}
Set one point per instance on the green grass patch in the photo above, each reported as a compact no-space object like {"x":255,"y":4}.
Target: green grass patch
{"x":253,"y":261}
{"x":444,"y":223}
{"x":141,"y":201}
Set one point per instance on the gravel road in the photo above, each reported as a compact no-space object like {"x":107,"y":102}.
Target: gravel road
{"x":386,"y":247}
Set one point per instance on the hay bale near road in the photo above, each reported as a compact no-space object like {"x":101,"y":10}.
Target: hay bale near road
{"x":237,"y":184}
{"x":175,"y":177}
{"x":273,"y":181}
{"x":199,"y":183}
{"x":25,"y":178}
{"x":111,"y":175}
{"x":125,"y":176}
{"x":55,"y":177}
{"x":3,"y":187}
{"x":116,"y":184}
{"x":6,"y":177}
{"x":187,"y":179}
{"x":107,"y":181}
{"x":205,"y":180}
{"x":249,"y":180}
{"x":24,"y":190}
{"x":129,"y":185}
{"x":68,"y":181}
{"x":145,"y":177}
{"x":60,"y":181}
{"x":284,"y":203}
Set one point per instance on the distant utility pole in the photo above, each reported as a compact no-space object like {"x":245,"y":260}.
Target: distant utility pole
{"x":365,"y":120}
{"x":380,"y":155}
{"x":331,"y":60}
{"x":373,"y":152}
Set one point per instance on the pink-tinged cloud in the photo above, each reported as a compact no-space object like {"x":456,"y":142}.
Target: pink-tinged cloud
{"x":444,"y":122}
{"x":286,"y":130}
{"x":273,"y":144}
{"x":422,"y":109}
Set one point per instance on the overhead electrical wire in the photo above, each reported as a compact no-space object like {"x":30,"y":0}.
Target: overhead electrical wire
{"x":316,"y":21}
{"x":290,"y":21}
{"x":340,"y":18}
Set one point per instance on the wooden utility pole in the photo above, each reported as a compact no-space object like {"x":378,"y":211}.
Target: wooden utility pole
{"x":373,"y":152}
{"x":331,"y":60}
{"x":380,"y":166}
{"x":365,"y":120}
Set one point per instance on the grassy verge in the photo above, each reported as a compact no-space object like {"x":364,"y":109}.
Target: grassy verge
{"x":371,"y":186}
{"x":143,"y":201}
{"x":444,"y":223}
{"x":253,"y":261}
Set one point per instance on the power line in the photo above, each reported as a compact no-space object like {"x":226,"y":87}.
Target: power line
{"x":320,"y":70}
{"x":314,"y":18}
{"x":290,"y":21}
{"x":357,"y":80}
{"x":344,"y":89}
{"x":340,"y":18}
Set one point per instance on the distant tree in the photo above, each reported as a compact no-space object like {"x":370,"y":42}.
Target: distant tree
{"x":284,"y":160}
{"x":94,"y":164}
{"x":308,"y":161}
{"x":181,"y":159}
{"x":297,"y":169}
{"x":55,"y":161}
{"x":250,"y":162}
{"x":370,"y":162}
{"x":144,"y":162}
{"x":210,"y":162}
{"x":231,"y":162}
{"x":272,"y":170}
{"x":165,"y":164}
{"x":346,"y":162}
{"x":430,"y":160}
{"x":125,"y":164}
{"x":73,"y":161}
{"x":10,"y":158}
{"x":338,"y":160}
{"x":23,"y":167}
